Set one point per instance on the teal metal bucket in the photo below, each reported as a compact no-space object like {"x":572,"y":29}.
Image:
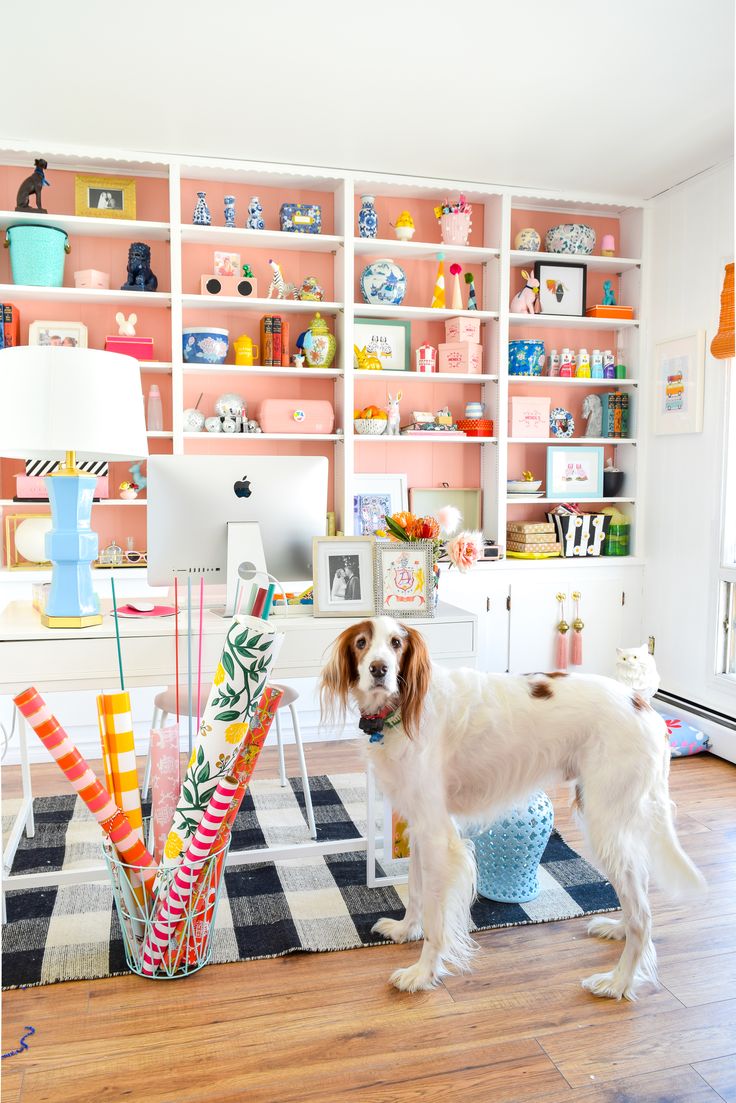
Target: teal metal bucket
{"x":37,"y":254}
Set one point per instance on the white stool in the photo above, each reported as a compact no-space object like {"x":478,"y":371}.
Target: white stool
{"x":164,"y":706}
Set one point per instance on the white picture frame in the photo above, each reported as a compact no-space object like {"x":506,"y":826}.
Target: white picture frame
{"x":387,"y":339}
{"x":404,"y":578}
{"x":395,"y":486}
{"x":679,"y":370}
{"x":50,"y":334}
{"x":344,"y":582}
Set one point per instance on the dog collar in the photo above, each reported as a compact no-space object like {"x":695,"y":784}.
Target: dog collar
{"x":373,"y":724}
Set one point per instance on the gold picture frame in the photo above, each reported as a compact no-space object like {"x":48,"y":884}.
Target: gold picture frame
{"x":104,"y":196}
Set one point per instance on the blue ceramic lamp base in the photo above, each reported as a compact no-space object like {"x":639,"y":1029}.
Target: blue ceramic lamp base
{"x":71,"y":546}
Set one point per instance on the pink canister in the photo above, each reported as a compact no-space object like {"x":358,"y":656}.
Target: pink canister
{"x":426,"y":358}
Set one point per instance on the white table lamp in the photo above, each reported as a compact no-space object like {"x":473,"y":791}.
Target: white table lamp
{"x":68,"y":404}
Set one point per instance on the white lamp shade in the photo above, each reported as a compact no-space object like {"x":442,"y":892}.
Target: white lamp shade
{"x":55,"y":400}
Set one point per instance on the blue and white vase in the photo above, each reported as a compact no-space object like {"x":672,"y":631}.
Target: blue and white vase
{"x":367,"y":217}
{"x":255,"y":214}
{"x":230,"y":211}
{"x":383,"y":283}
{"x":202,"y":216}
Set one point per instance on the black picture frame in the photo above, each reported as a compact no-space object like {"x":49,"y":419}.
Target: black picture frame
{"x":553,"y":302}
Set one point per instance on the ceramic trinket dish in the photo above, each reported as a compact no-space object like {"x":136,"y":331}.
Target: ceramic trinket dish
{"x":383,"y":283}
{"x":570,"y":237}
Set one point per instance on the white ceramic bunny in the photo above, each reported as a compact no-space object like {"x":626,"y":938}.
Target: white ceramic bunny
{"x":394,"y":415}
{"x":126,"y":326}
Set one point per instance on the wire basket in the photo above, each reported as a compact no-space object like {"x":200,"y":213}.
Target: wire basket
{"x":190,"y":947}
{"x":509,"y":853}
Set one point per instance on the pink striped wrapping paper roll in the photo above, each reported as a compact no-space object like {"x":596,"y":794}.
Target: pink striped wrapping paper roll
{"x":113,"y":822}
{"x":170,"y":909}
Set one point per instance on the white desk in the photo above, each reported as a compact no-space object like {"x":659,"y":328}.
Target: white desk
{"x":55,"y":660}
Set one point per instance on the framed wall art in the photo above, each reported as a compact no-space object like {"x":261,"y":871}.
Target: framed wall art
{"x":574,"y":473}
{"x":426,"y":500}
{"x":104,"y":196}
{"x":387,"y":340}
{"x":59,"y":334}
{"x":562,"y":287}
{"x":344,"y":584}
{"x":679,"y":367}
{"x":405,"y":579}
{"x":372,"y":493}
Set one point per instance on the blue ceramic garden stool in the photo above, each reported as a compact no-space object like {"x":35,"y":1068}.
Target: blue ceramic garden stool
{"x":509,"y":853}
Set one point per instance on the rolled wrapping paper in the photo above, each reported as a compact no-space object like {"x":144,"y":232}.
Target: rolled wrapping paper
{"x":172,"y":905}
{"x":114,"y":709}
{"x":203,"y":899}
{"x":250,"y":648}
{"x":103,"y":745}
{"x":165,"y":783}
{"x":111,"y":819}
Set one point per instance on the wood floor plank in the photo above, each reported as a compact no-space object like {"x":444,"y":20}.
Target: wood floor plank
{"x":674,"y":1037}
{"x":699,"y":980}
{"x":12,"y":1080}
{"x":680,"y":1085}
{"x":720,"y":1073}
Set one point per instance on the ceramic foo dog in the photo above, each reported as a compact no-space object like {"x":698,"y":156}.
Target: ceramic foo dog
{"x":32,"y":185}
{"x":140,"y":276}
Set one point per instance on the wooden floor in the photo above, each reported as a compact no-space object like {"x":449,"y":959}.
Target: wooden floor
{"x":328,"y":1028}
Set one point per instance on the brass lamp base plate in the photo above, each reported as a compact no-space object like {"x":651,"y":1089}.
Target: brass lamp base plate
{"x":71,"y":622}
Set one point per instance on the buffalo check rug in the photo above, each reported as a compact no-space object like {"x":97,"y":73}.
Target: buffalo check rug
{"x":267,"y":909}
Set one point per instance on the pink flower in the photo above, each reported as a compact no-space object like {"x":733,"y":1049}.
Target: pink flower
{"x":449,"y":518}
{"x":464,"y":549}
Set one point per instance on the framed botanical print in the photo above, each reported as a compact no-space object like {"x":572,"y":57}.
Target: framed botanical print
{"x":574,"y":473}
{"x":386,"y":340}
{"x":405,"y":579}
{"x":562,"y":287}
{"x":343,"y":576}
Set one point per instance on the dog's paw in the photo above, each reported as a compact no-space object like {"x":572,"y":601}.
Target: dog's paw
{"x":609,"y":986}
{"x":398,"y":930}
{"x":603,"y":927}
{"x":413,"y":979}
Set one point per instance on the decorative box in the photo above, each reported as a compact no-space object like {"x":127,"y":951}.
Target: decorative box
{"x":463,"y":329}
{"x":581,"y":535}
{"x":32,"y":485}
{"x":426,"y":358}
{"x":615,"y":420}
{"x":529,"y":417}
{"x":296,"y":415}
{"x":301,"y":218}
{"x":461,"y":356}
{"x":475,"y":426}
{"x":141,"y":348}
{"x":526,"y":528}
{"x":600,"y":311}
{"x":526,"y":357}
{"x":91,"y":277}
{"x":228,"y":285}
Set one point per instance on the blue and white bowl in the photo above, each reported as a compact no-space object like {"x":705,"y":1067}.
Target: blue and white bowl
{"x":570,"y":237}
{"x":383,"y":283}
{"x":205,"y":345}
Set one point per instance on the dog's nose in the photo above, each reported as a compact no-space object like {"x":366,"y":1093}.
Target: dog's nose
{"x":378,"y":670}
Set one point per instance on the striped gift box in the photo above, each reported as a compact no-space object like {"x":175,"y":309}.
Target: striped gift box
{"x":39,"y":468}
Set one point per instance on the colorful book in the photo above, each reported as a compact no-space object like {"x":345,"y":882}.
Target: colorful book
{"x":267,"y":341}
{"x":2,"y":327}
{"x":284,"y":342}
{"x":11,"y":325}
{"x":276,"y":323}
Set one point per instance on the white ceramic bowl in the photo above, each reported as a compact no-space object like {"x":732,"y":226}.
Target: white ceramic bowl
{"x":521,"y":486}
{"x":370,"y":426}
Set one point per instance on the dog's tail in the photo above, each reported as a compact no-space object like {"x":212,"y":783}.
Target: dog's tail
{"x":670,"y":866}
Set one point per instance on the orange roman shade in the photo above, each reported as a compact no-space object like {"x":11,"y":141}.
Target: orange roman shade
{"x":722,"y":345}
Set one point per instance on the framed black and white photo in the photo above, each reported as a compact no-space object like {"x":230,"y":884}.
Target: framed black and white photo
{"x":344,"y":584}
{"x":562,"y":287}
{"x":104,"y":196}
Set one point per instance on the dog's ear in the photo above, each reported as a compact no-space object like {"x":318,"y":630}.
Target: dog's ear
{"x":414,"y":678}
{"x":339,"y":674}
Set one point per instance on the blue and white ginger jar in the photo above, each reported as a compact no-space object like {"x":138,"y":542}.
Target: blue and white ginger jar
{"x":383,"y":283}
{"x":255,"y":214}
{"x":367,"y":217}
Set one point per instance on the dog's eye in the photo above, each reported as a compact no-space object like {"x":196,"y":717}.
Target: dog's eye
{"x":396,"y":643}
{"x":360,"y":643}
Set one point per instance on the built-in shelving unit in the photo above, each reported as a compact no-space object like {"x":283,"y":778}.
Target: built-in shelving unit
{"x":182,"y":252}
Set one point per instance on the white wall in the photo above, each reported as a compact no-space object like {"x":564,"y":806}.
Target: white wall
{"x":692,"y":238}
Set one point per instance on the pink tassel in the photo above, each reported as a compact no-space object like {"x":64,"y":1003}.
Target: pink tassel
{"x":577,"y":648}
{"x":561,"y":651}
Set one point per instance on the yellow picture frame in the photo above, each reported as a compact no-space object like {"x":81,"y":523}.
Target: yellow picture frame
{"x":93,"y":194}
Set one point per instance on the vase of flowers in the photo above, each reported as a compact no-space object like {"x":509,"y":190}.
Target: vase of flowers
{"x":462,"y":550}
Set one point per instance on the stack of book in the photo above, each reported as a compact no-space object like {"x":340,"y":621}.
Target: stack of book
{"x":9,"y":326}
{"x":615,"y":414}
{"x":532,"y":538}
{"x":274,"y":341}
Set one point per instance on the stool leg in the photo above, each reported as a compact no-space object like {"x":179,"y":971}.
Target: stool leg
{"x":280,"y":741}
{"x":303,"y":768}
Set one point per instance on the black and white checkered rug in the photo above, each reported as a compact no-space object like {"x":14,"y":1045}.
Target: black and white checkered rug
{"x":266,"y":910}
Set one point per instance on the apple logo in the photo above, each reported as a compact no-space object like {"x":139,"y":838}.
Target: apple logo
{"x":242,"y":487}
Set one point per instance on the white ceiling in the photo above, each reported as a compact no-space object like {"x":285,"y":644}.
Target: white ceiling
{"x":624,"y":96}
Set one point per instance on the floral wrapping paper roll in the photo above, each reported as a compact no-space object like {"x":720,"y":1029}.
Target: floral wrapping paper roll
{"x":251,"y":646}
{"x":165,"y":785}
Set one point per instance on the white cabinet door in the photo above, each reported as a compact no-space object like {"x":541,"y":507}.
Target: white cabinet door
{"x":485,"y":593}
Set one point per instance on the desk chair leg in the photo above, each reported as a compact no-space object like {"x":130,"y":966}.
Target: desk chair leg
{"x":280,"y":741}
{"x":25,"y":773}
{"x":303,"y":768}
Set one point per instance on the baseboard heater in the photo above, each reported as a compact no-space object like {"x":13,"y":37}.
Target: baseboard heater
{"x":693,"y":707}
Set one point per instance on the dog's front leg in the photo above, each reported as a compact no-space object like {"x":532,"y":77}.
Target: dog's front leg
{"x":448,"y":888}
{"x":410,"y":927}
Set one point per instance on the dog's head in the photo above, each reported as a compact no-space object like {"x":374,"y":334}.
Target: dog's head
{"x":381,"y":664}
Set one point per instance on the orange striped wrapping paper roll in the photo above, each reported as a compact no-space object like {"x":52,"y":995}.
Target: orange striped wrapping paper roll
{"x":114,"y":710}
{"x":111,"y":819}
{"x":242,"y":770}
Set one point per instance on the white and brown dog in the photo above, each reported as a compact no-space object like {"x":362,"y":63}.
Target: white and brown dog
{"x":454,"y":746}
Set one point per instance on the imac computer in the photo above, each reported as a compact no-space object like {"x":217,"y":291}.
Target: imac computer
{"x":209,"y":514}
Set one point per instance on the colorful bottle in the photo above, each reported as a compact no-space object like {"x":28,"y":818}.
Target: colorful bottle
{"x":155,"y":413}
{"x":609,"y":365}
{"x":567,"y":369}
{"x":583,"y":365}
{"x":553,"y":364}
{"x":596,"y":364}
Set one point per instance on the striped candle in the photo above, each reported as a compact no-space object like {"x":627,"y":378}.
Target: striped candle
{"x":111,"y":819}
{"x":171,"y":908}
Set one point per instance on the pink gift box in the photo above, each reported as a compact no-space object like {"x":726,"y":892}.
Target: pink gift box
{"x":296,"y":415}
{"x":529,"y":417}
{"x":91,"y":277}
{"x":141,"y":348}
{"x":461,"y":357}
{"x":462,"y":329}
{"x":34,"y":486}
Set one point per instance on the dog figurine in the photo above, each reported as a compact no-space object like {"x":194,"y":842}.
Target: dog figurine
{"x":460,"y":746}
{"x":140,"y":276}
{"x":33,"y":185}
